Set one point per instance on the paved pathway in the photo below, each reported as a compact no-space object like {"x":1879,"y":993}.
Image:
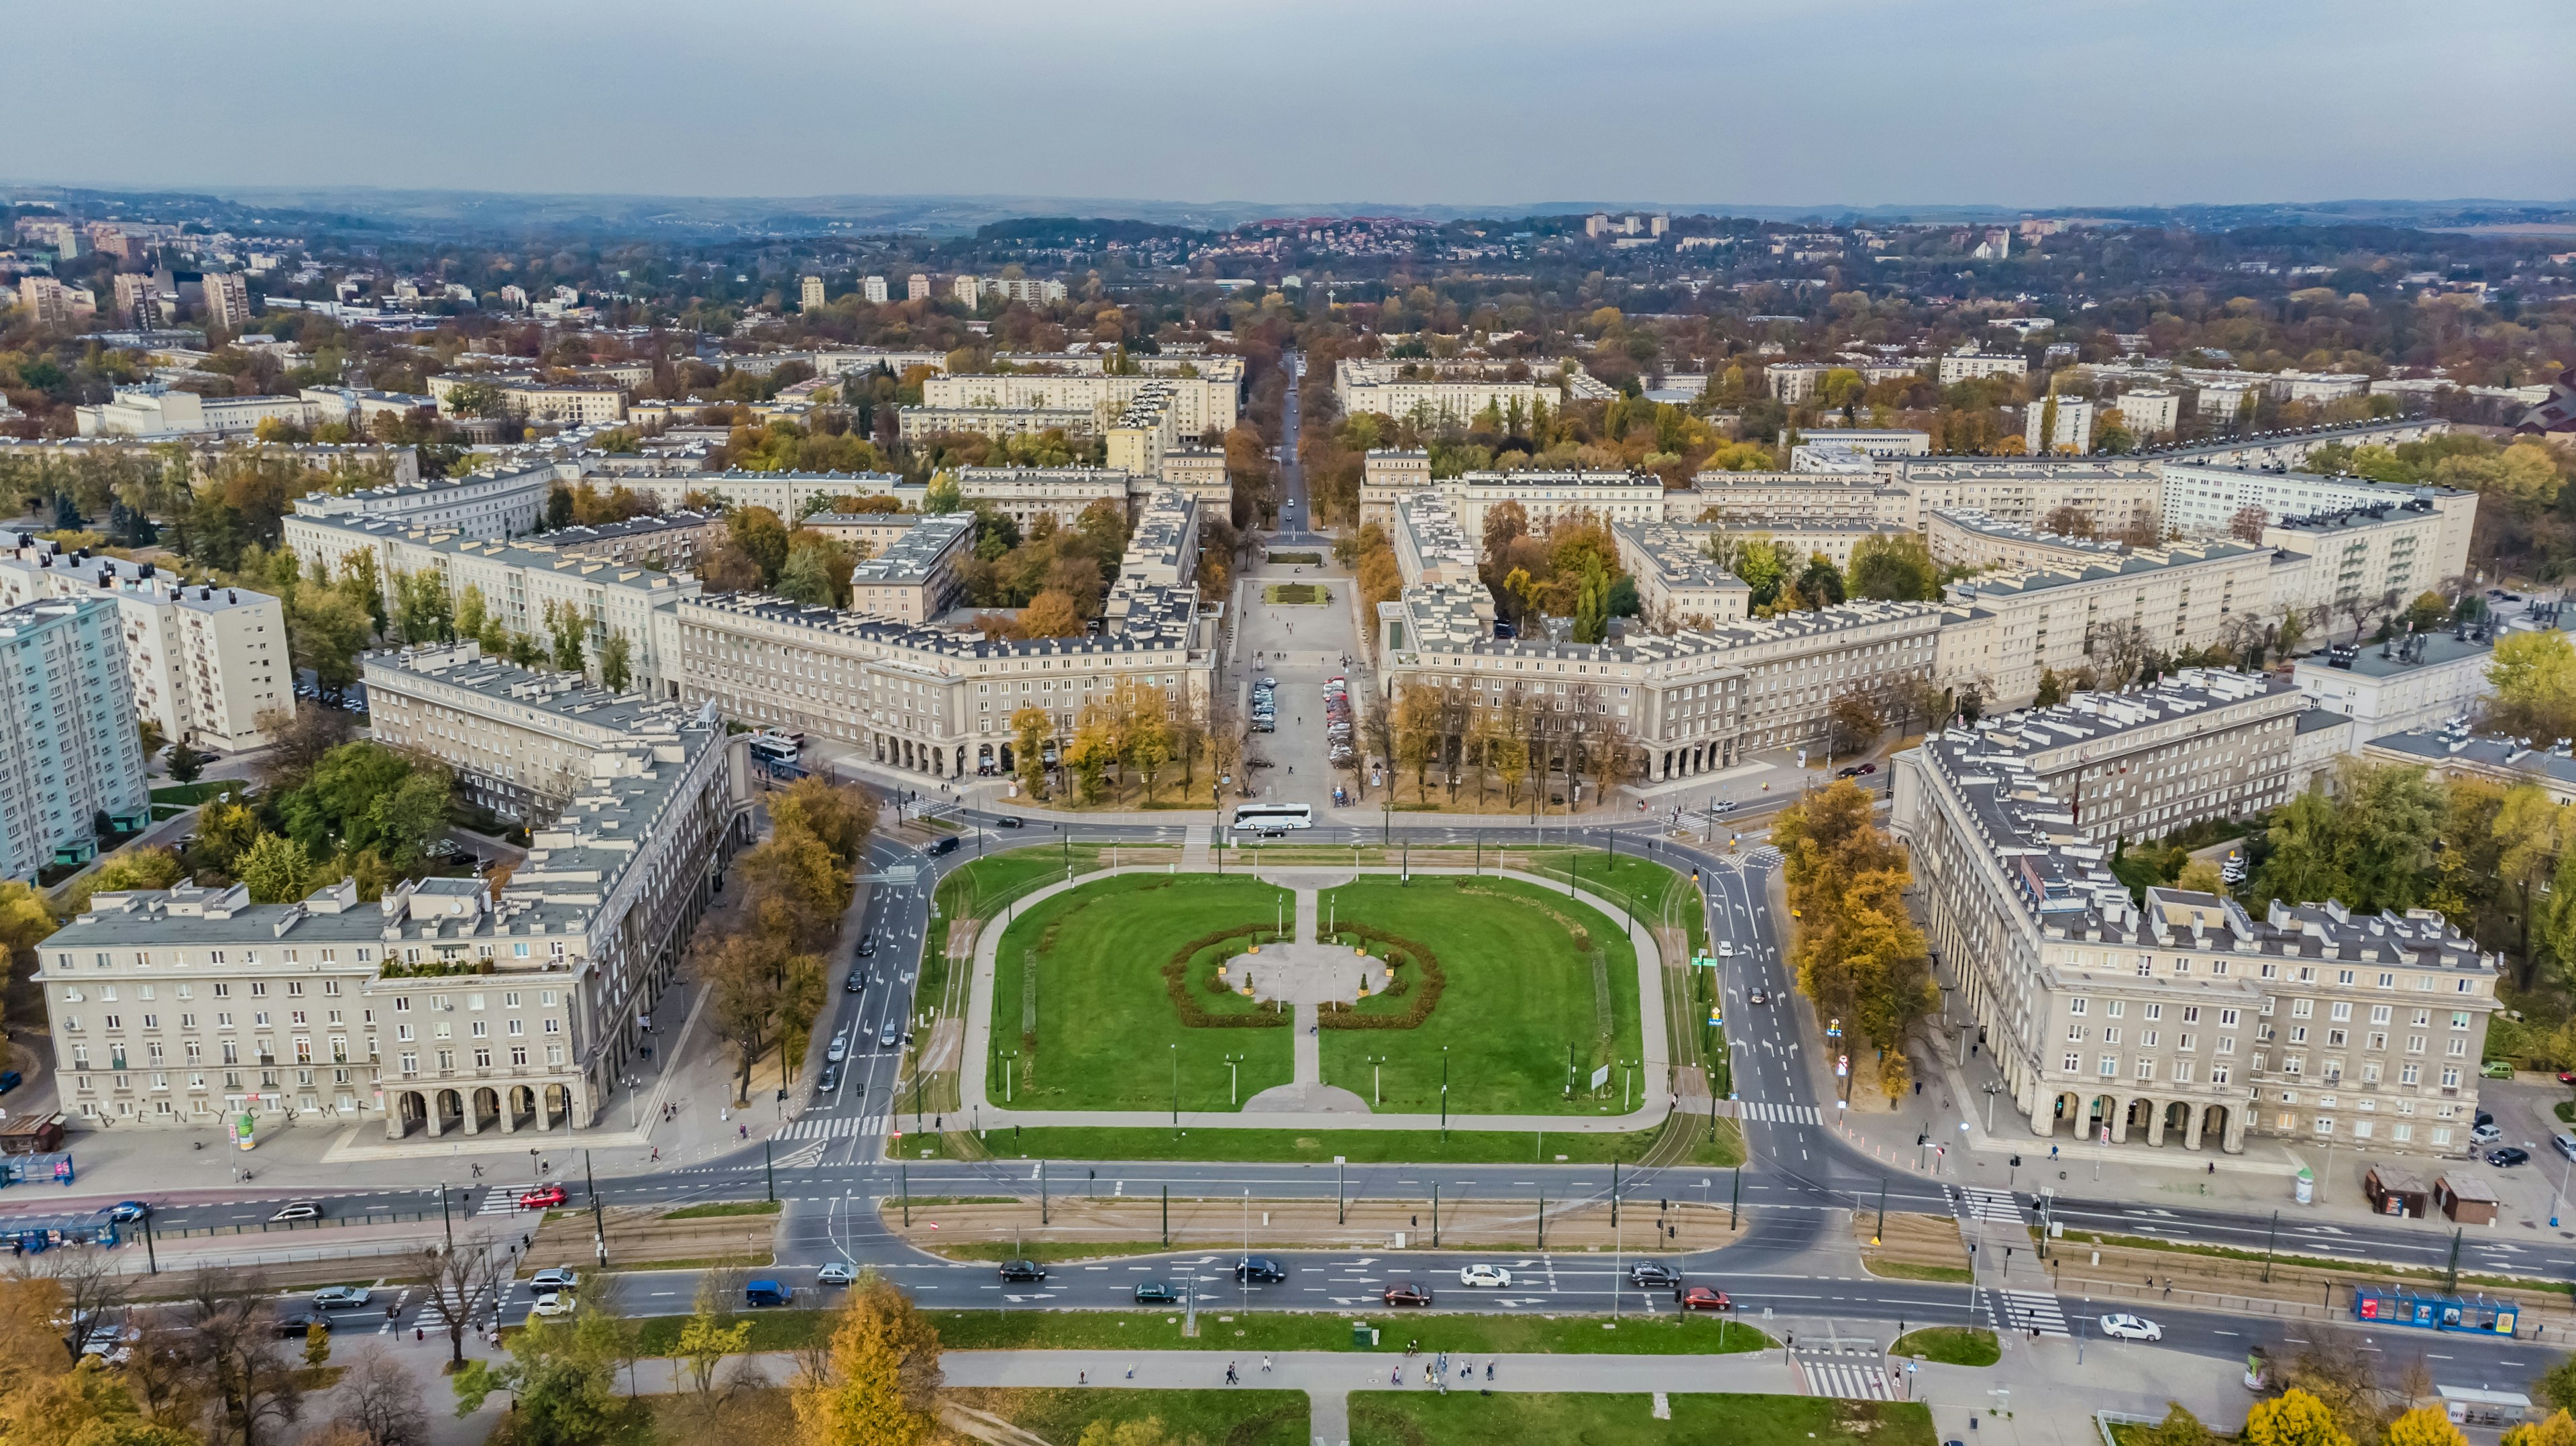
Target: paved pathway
{"x":1654,"y":1101}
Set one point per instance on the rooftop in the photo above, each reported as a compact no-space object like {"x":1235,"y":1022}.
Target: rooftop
{"x":912,"y":557}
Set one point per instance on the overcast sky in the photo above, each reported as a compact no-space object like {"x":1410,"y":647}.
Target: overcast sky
{"x":1494,"y":102}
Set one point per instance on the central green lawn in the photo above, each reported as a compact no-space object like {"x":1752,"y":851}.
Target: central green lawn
{"x":1422,"y":1418}
{"x":1519,"y":993}
{"x":1106,"y":1028}
{"x":1950,"y":1345}
{"x":1214,"y":1417}
{"x":1359,"y":1147}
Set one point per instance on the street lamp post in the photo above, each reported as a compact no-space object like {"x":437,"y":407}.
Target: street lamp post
{"x":1176,"y":1091}
{"x":1992,"y":1089}
{"x":1233,"y":1077}
{"x":1444,"y":1094}
{"x":1377,"y":1079}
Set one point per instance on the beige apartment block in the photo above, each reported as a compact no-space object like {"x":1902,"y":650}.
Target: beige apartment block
{"x":915,"y":578}
{"x":2012,"y":627}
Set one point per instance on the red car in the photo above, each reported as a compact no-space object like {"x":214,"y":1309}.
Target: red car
{"x":1701,"y":1297}
{"x":2567,"y":1076}
{"x":1406,"y":1292}
{"x":541,"y":1197}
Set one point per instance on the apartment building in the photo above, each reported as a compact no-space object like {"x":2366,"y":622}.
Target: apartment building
{"x":568,"y":404}
{"x":915,"y":577}
{"x":2009,"y":628}
{"x":1544,"y":497}
{"x":1198,"y":403}
{"x":2414,"y":683}
{"x":1791,"y":383}
{"x":1877,"y":443}
{"x":2189,"y":1020}
{"x":916,"y":287}
{"x":1026,"y":494}
{"x":2073,"y":421}
{"x":435,"y":1009}
{"x":520,"y":742}
{"x":203,"y":662}
{"x":918,"y":422}
{"x":478,"y":504}
{"x":227,"y":296}
{"x":68,"y":754}
{"x":1430,"y":548}
{"x":1966,"y":537}
{"x":51,"y":303}
{"x":1678,"y":584}
{"x":2451,"y":750}
{"x":665,"y":541}
{"x":152,"y":411}
{"x":873,"y":288}
{"x":2374,"y":558}
{"x":1142,"y":434}
{"x":519,"y":583}
{"x":809,"y":293}
{"x":1969,"y":366}
{"x":1832,"y":459}
{"x":2112,"y":495}
{"x":865,"y":533}
{"x":2202,"y":499}
{"x":2149,"y":411}
{"x":1380,"y":387}
{"x":1163,"y":547}
{"x":1757,"y":499}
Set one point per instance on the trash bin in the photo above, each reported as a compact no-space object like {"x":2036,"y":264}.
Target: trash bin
{"x":1363,"y":1335}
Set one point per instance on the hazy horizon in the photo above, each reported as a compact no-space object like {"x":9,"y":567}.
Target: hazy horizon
{"x":1498,"y":107}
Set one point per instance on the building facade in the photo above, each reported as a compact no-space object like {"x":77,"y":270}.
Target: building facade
{"x":68,"y":754}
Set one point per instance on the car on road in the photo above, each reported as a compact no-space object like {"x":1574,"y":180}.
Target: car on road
{"x":296,"y":1210}
{"x":1701,"y":1297}
{"x":1008,"y":821}
{"x":857,"y":983}
{"x":1653,"y":1275}
{"x":943,"y":846}
{"x":10,"y":1079}
{"x":113,"y":1344}
{"x":887,"y":1036}
{"x":1758,"y":997}
{"x":341,"y":1297}
{"x":127,"y":1211}
{"x":867,"y":946}
{"x":553,"y":1302}
{"x":1406,"y":1292}
{"x":2564,"y":1144}
{"x":2486,"y":1134}
{"x":2126,"y":1327}
{"x":542,"y":1197}
{"x":2508,"y":1157}
{"x":829,"y":1081}
{"x":296,"y":1323}
{"x":1493,"y":1275}
{"x":839,"y":1049}
{"x":1725,"y":948}
{"x":1259,"y":1270}
{"x":1156,"y":1292}
{"x":1021,"y":1270}
{"x":1846,"y":773}
{"x":766,"y":1292}
{"x":554,"y":1277}
{"x":836,"y":1272}
{"x":1866,"y":769}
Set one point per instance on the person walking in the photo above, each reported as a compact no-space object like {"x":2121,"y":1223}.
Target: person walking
{"x":1265,"y":1365}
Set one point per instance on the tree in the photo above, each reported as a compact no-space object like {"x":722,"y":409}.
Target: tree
{"x":2052,"y":689}
{"x":2293,"y":1418}
{"x":317,"y":1346}
{"x":381,"y":1400}
{"x":1897,"y":568}
{"x":2200,"y":876}
{"x":1853,"y":723}
{"x":615,"y":664}
{"x":232,"y":1319}
{"x":567,"y":627}
{"x":2179,"y":1428}
{"x":456,"y":1281}
{"x":2068,"y":520}
{"x":2557,"y":1386}
{"x":1030,"y":728}
{"x":2558,"y":1430}
{"x":276,"y":869}
{"x":2423,"y":1426}
{"x":839,"y":815}
{"x":563,"y":1372}
{"x":1051,"y":614}
{"x":2534,"y":677}
{"x":879,"y":1386}
{"x":762,"y":537}
{"x":186,"y":764}
{"x":712,"y":1333}
{"x":943,"y":495}
{"x":326,"y":631}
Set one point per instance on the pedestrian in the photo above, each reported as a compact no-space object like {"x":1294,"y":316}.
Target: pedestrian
{"x":1489,"y":1368}
{"x":418,"y":1334}
{"x":1082,"y":1378}
{"x":1265,"y":1365}
{"x":1131,"y":1373}
{"x":657,"y":1153}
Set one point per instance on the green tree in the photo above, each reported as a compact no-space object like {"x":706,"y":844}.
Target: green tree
{"x":326,"y":631}
{"x":1029,"y":730}
{"x":943,"y":495}
{"x":317,"y":1345}
{"x":1895,"y":568}
{"x":2534,"y":677}
{"x":711,"y":1334}
{"x":563,"y":1373}
{"x":566,"y":626}
{"x":185,"y":763}
{"x":808,"y":577}
{"x":616,"y":668}
{"x":276,"y":870}
{"x":2052,"y":689}
{"x":759,"y":533}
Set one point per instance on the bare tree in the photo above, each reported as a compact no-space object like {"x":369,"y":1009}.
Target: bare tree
{"x":91,"y":1286}
{"x":457,"y":1281}
{"x":255,"y":1385}
{"x":2242,"y":634}
{"x":383,"y":1401}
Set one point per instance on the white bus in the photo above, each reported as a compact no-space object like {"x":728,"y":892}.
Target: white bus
{"x":1273,"y":817}
{"x":773,"y":748}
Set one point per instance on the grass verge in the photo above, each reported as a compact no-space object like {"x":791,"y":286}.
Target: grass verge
{"x":708,"y":1212}
{"x":1217,"y":1418}
{"x":1950,"y":1345}
{"x":1359,"y":1147}
{"x":1421,"y":1418}
{"x":1045,"y":1251}
{"x":1908,"y":1270}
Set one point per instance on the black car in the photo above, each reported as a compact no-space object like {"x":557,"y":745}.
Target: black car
{"x":857,"y":982}
{"x":1260,"y":1270}
{"x":943,"y":846}
{"x":1156,"y":1292}
{"x":1007,"y":821}
{"x":295,"y":1323}
{"x":1647,"y":1275}
{"x":867,"y":946}
{"x":2508,"y":1157}
{"x":831,"y":1079}
{"x":1022,"y":1270}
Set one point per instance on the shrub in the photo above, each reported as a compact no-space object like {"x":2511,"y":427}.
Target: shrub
{"x":1397,"y":949}
{"x":1176,"y":983}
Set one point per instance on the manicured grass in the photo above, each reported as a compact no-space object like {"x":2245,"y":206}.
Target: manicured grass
{"x":1908,"y":1270}
{"x":1215,"y":1417}
{"x":1423,"y":1418}
{"x":737,"y":1207}
{"x":1296,"y":592}
{"x":1108,"y":1036}
{"x":1294,"y":559}
{"x":973,"y":891}
{"x":1369,"y":1147}
{"x":2565,"y":1111}
{"x":1950,"y":1345}
{"x":1221,"y":1330}
{"x":1519,"y":993}
{"x":198,"y":792}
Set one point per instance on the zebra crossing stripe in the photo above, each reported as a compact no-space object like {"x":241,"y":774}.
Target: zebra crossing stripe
{"x":1850,"y":1381}
{"x":1780,"y":1114}
{"x":833,"y":1127}
{"x":1995,"y":1205}
{"x":2024,"y":1311}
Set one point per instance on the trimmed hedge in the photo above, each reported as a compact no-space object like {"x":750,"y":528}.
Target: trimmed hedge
{"x":1398,"y":950}
{"x":1176,"y":983}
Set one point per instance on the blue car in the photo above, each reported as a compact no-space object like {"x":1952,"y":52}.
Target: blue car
{"x":10,"y":1079}
{"x":125,"y":1212}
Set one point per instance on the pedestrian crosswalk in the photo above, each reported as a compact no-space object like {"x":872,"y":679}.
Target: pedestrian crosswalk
{"x":1763,"y":857}
{"x":1849,"y":1380}
{"x":833,"y":1127}
{"x":1994,"y":1205}
{"x":1779,"y":1114}
{"x":500,"y":1200}
{"x":2026,"y":1311}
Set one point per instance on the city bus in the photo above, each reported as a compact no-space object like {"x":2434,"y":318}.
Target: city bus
{"x":773,"y":748}
{"x":1266,"y":818}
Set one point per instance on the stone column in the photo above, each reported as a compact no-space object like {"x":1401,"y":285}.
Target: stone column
{"x":2155,"y":1123}
{"x":2191,"y":1131}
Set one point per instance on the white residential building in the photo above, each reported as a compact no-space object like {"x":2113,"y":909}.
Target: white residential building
{"x":68,"y":753}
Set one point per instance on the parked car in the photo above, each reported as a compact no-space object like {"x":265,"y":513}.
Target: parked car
{"x":1653,"y":1275}
{"x":2126,"y":1327}
{"x":113,"y":1344}
{"x":2486,"y":1134}
{"x":127,"y":1211}
{"x":1701,"y":1297}
{"x":1156,"y":1292}
{"x":541,"y":1198}
{"x":2508,"y":1157}
{"x":554,"y":1277}
{"x":837,"y":1272}
{"x":341,"y":1297}
{"x":1406,"y":1292}
{"x":1493,"y":1275}
{"x":766,"y":1292}
{"x":1022,"y":1270}
{"x":296,"y":1210}
{"x":2497,"y":1069}
{"x":1259,"y":1270}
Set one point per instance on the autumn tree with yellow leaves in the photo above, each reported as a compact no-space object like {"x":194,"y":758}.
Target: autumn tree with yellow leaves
{"x":1858,"y":954}
{"x":878,"y":1384}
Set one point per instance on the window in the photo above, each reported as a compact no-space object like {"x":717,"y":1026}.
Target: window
{"x":2110,"y":1066}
